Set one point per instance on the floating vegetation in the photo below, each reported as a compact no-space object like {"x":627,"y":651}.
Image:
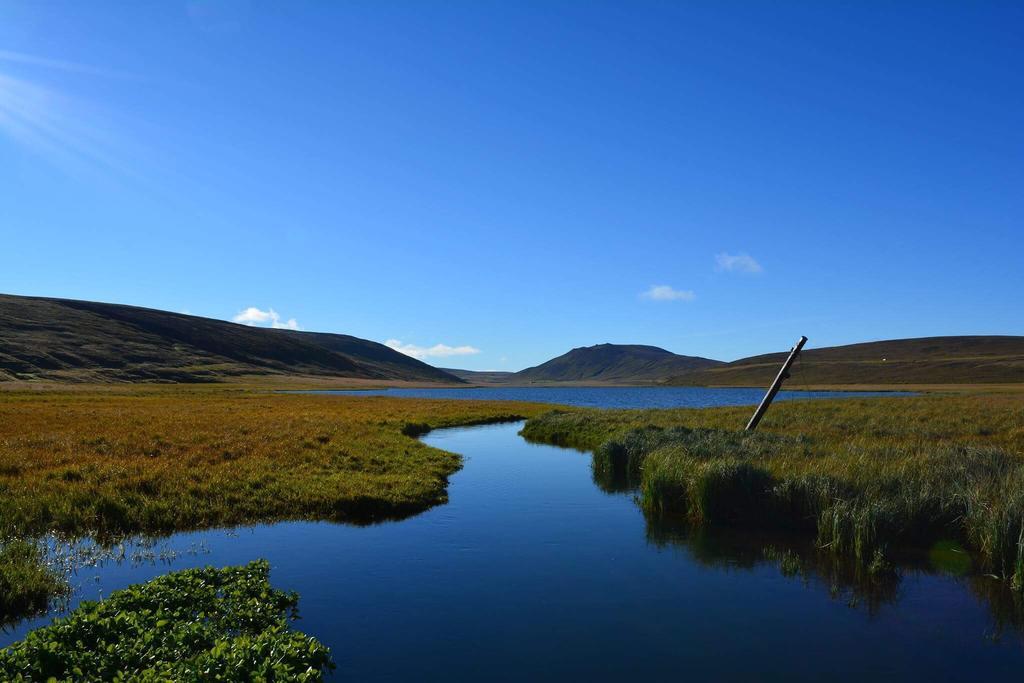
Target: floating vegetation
{"x":198,"y":624}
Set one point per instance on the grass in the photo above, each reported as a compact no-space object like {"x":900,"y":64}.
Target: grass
{"x":198,"y":624}
{"x":27,"y":582}
{"x":862,"y":477}
{"x":161,"y":461}
{"x":110,"y":462}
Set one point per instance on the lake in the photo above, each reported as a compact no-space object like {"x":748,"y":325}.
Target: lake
{"x":533,"y":572}
{"x":609,"y":397}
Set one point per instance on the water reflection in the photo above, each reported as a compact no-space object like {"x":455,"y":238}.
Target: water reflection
{"x":839,"y":579}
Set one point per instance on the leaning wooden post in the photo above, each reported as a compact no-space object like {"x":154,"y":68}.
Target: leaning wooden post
{"x":776,"y":385}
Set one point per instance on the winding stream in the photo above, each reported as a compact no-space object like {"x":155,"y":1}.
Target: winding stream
{"x":531,"y":572}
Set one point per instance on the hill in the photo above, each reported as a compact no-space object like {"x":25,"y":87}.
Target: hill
{"x":481,"y":376}
{"x":84,"y":341}
{"x":614,"y":363}
{"x":928,"y":360}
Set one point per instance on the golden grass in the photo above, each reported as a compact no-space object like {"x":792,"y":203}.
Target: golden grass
{"x":151,"y":459}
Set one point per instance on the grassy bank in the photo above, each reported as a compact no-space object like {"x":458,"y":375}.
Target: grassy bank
{"x":115,"y":461}
{"x":861,"y":476}
{"x":199,"y":624}
{"x":159,"y":461}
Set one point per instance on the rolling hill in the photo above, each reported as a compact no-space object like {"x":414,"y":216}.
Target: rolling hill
{"x":481,"y":376}
{"x":84,"y":341}
{"x":928,"y":360}
{"x":613,"y":363}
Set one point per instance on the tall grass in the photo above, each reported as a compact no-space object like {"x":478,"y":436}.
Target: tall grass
{"x":27,"y":582}
{"x":872,"y":476}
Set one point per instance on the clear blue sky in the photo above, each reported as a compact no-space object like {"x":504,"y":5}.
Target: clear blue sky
{"x":514,"y":176}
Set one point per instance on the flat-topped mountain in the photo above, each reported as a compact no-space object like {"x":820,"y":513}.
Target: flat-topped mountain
{"x":927,"y":360}
{"x":84,"y":341}
{"x":617,"y":363}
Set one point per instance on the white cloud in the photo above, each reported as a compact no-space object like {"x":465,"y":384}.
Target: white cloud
{"x":743,"y":263}
{"x":666,"y":293}
{"x":435,"y":351}
{"x":253,"y":317}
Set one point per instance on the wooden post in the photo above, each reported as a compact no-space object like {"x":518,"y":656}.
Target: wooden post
{"x":776,"y":385}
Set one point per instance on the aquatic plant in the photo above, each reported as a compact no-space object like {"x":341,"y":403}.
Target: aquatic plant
{"x":199,"y":624}
{"x":27,"y":582}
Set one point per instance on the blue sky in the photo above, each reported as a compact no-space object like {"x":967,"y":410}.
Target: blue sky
{"x":502,"y":181}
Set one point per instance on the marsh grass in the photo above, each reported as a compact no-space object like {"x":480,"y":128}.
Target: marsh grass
{"x":107,"y":464}
{"x":115,"y":462}
{"x":28,"y":583}
{"x":861,"y":477}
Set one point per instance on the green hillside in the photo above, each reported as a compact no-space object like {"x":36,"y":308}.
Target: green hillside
{"x":928,"y":360}
{"x":83,"y":341}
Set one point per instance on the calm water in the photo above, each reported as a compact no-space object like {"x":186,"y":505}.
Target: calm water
{"x":532,"y":572}
{"x":611,"y":397}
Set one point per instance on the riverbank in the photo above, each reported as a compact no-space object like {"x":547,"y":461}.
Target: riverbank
{"x":158,"y":460}
{"x":861,"y":476}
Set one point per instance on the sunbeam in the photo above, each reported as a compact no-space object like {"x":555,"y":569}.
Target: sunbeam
{"x":65,"y":131}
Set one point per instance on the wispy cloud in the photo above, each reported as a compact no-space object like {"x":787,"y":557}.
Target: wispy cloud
{"x":69,"y":133}
{"x":666,"y":293}
{"x":254,"y":317}
{"x":61,"y":65}
{"x":740,"y":263}
{"x":435,"y":351}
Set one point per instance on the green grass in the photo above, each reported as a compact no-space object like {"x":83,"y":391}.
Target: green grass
{"x":27,"y":582}
{"x":193,"y":625}
{"x":862,"y":477}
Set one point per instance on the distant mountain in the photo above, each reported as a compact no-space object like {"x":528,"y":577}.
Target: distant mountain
{"x":614,"y":363}
{"x":928,"y":360}
{"x":84,"y":341}
{"x":481,"y":376}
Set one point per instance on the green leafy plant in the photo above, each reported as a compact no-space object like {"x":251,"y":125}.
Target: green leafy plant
{"x":199,"y":624}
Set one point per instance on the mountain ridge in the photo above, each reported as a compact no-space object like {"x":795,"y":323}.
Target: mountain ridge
{"x":87,"y":341}
{"x":963,"y":359}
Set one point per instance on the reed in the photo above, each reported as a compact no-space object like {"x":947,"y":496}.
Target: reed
{"x":860,"y":476}
{"x":27,"y":582}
